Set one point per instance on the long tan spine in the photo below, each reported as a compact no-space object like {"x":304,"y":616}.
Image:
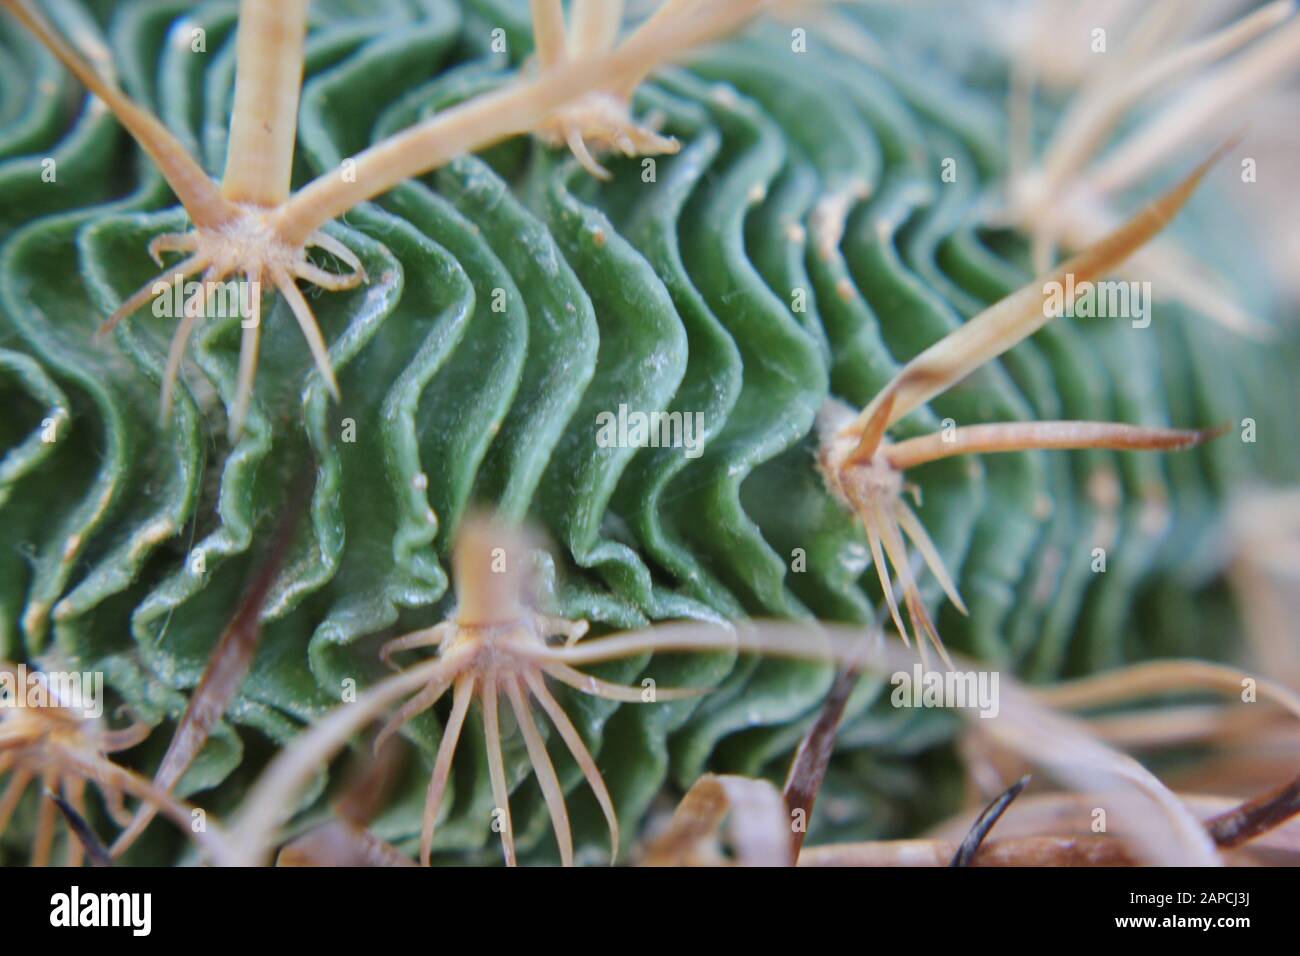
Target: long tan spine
{"x":496,"y":116}
{"x":201,"y":199}
{"x":271,"y":46}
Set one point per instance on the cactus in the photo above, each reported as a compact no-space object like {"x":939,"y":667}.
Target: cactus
{"x":634,"y":304}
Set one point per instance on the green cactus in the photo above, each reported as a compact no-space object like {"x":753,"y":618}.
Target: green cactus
{"x":802,"y":246}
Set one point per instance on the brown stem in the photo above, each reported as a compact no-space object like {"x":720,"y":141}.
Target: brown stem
{"x":225,"y":672}
{"x":1254,"y":817}
{"x":808,"y":768}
